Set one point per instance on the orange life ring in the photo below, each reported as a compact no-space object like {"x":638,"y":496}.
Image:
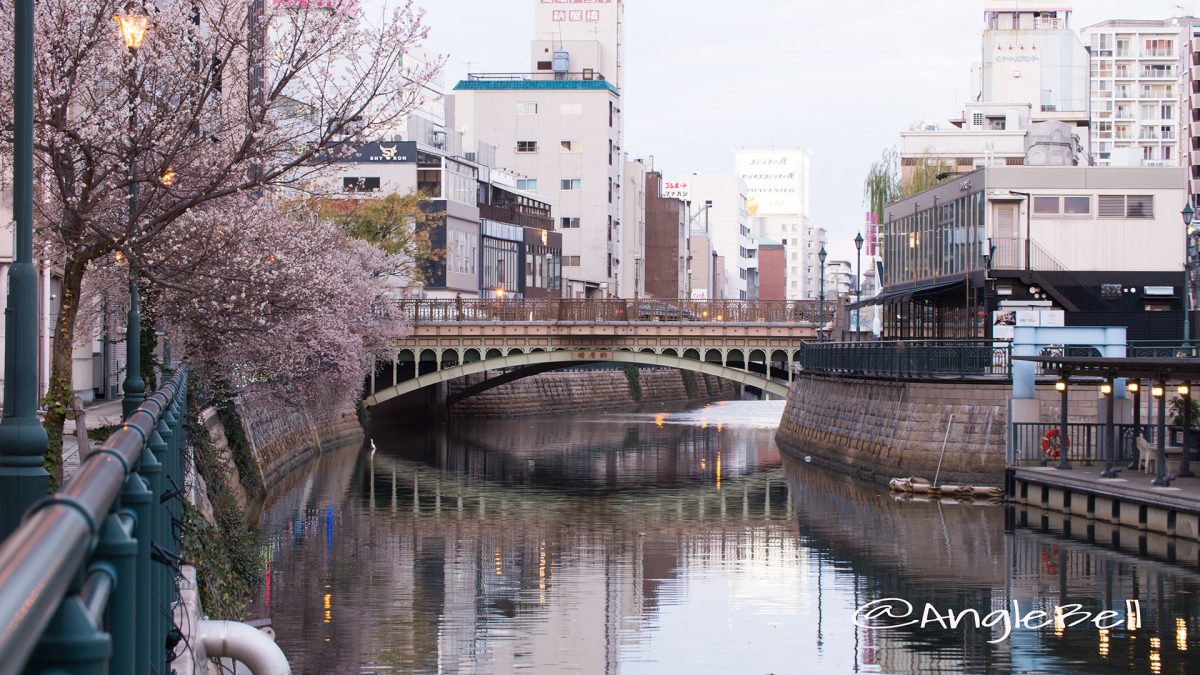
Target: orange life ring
{"x":1050,"y":444}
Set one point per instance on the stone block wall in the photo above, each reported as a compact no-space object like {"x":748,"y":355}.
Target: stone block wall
{"x":566,"y":390}
{"x":880,"y":429}
{"x":283,"y":439}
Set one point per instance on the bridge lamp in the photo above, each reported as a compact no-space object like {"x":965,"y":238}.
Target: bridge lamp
{"x":1060,"y":386}
{"x":168,"y":177}
{"x":1156,"y":391}
{"x":1132,"y":387}
{"x":1184,"y":390}
{"x":1106,"y":389}
{"x":132,"y":26}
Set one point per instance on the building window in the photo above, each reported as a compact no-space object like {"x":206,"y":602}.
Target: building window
{"x":570,"y":108}
{"x":1126,"y":206}
{"x":570,"y":261}
{"x":1046,"y":205}
{"x":570,"y":223}
{"x":571,"y":146}
{"x":529,"y":184}
{"x":1077,"y":206}
{"x":570,"y":184}
{"x":526,"y":108}
{"x":352,"y":184}
{"x":544,"y":65}
{"x":527,"y":146}
{"x":461,"y":252}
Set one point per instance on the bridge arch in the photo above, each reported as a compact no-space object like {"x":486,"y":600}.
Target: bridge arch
{"x":518,"y":359}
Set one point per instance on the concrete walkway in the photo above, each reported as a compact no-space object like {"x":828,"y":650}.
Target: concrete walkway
{"x":97,"y":414}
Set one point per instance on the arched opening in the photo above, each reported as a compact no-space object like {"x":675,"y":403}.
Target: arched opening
{"x":713,"y":356}
{"x":536,"y":349}
{"x":693,"y":354}
{"x":471,"y":356}
{"x":779,"y":356}
{"x":735,"y":359}
{"x":494,"y":354}
{"x":427,"y":363}
{"x":515,"y":351}
{"x":669,"y":352}
{"x":758,"y":356}
{"x":647,"y":351}
{"x":449,"y":358}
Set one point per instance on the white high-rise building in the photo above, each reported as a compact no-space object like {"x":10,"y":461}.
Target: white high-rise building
{"x":561,"y":125}
{"x":1135,"y":91}
{"x":777,"y":201}
{"x":631,"y":283}
{"x":727,"y":223}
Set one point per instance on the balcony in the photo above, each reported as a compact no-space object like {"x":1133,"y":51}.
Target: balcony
{"x":1158,"y":75}
{"x":1159,"y":54}
{"x":516,"y":215}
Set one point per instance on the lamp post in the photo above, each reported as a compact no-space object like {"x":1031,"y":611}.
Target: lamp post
{"x":821,"y":302}
{"x":23,"y":442}
{"x":858,"y":242}
{"x":1188,"y":214}
{"x":132,"y":26}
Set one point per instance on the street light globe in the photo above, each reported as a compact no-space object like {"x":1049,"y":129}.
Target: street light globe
{"x":1106,"y":389}
{"x":1188,"y":214}
{"x":822,"y":255}
{"x":132,"y":25}
{"x":1156,"y":391}
{"x":168,"y":177}
{"x":1133,"y":387}
{"x":858,"y":241}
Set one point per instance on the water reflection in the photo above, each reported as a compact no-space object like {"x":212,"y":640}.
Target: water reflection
{"x":678,"y":542}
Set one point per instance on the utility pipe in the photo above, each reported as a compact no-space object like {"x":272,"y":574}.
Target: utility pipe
{"x":244,"y":643}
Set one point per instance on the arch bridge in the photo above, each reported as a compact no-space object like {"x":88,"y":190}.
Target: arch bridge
{"x":750,"y":342}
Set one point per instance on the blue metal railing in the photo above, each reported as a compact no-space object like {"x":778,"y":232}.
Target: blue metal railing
{"x":87,"y":582}
{"x":910,"y":358}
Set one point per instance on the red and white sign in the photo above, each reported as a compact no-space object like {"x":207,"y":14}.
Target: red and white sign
{"x":581,"y":15}
{"x":676,"y":189}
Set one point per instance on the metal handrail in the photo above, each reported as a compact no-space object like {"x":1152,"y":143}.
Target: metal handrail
{"x":910,"y":358}
{"x":41,"y":562}
{"x":645,"y":310}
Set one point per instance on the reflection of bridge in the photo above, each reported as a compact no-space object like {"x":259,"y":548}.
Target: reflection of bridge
{"x":753,"y":343}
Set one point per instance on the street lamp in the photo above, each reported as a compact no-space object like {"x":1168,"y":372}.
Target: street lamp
{"x":858,"y":242}
{"x":1188,"y":214}
{"x":23,"y":479}
{"x":132,"y":25}
{"x":821,"y":306}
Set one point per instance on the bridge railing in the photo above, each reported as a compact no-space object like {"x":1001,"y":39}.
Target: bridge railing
{"x":87,"y":581}
{"x":910,"y":358}
{"x":553,"y":310}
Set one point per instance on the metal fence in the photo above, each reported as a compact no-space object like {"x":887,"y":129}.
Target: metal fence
{"x":911,"y":358}
{"x":553,"y":310}
{"x":87,"y":582}
{"x":1163,"y":349}
{"x":1086,"y":443}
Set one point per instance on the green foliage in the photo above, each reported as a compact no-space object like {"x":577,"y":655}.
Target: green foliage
{"x":239,"y":446}
{"x":361,"y":411}
{"x":634,"y":376}
{"x":396,"y":224}
{"x":224,"y":552}
{"x":884,"y":183}
{"x":101,"y":433}
{"x":1177,"y":412}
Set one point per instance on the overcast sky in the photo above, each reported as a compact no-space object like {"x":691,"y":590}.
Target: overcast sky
{"x":703,"y":77}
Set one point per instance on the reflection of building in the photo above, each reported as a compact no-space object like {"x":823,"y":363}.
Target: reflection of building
{"x":1102,"y":244}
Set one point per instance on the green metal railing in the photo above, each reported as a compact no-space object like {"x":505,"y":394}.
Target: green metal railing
{"x":1163,"y":349}
{"x":87,"y":582}
{"x":910,"y":358}
{"x":1086,"y":443}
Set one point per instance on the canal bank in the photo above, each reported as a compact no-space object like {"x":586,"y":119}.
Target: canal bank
{"x":879,"y":428}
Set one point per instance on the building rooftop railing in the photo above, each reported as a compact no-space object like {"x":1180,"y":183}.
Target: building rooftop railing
{"x":536,"y":76}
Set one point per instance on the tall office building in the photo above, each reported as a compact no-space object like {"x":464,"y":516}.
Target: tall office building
{"x":777,"y":202}
{"x":720,"y":207}
{"x":561,"y":125}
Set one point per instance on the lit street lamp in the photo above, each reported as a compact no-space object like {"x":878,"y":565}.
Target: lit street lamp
{"x":821,"y":302}
{"x":132,"y":26}
{"x":858,"y":242}
{"x":23,"y":442}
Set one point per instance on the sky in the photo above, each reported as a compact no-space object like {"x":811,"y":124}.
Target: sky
{"x":841,"y":78}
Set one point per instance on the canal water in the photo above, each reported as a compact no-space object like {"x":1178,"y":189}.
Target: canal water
{"x":683,"y":541}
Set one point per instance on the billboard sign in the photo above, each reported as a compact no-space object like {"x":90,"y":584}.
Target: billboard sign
{"x":776,"y":180}
{"x":676,"y":189}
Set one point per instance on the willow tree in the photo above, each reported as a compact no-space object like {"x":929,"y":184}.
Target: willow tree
{"x":222,"y":101}
{"x":886,"y":182}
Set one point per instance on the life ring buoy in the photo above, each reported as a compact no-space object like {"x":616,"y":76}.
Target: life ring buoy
{"x":1051,"y":446}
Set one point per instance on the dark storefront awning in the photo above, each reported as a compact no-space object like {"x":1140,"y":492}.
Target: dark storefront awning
{"x":903,"y":294}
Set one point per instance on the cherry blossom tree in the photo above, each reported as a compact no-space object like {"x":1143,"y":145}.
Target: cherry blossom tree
{"x":236,"y":103}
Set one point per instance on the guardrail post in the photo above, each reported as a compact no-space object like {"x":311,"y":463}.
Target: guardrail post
{"x":152,"y":470}
{"x":137,"y":497}
{"x":160,"y":622}
{"x":119,"y":549}
{"x":72,"y":643}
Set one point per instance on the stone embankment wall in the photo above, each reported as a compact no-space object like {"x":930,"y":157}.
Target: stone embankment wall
{"x":882,"y":429}
{"x":566,"y":390}
{"x":285,"y":439}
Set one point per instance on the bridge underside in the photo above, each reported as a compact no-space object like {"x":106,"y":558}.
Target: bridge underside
{"x":425,"y":369}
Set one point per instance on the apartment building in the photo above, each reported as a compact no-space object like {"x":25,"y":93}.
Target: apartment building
{"x":668,"y":249}
{"x":631,"y":283}
{"x":839,"y":278}
{"x":726,"y":221}
{"x":560,"y":124}
{"x":1137,"y":76}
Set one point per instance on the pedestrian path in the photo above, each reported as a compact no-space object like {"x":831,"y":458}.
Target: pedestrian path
{"x":97,"y":414}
